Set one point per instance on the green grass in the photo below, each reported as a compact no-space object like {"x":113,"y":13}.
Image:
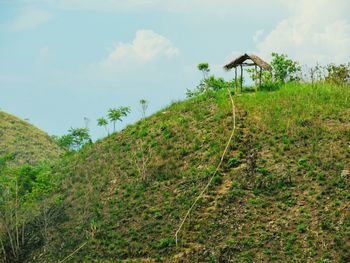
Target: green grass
{"x":28,"y":143}
{"x":292,"y":206}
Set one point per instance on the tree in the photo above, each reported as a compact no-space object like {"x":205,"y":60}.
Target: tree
{"x":65,"y":141}
{"x":22,"y":191}
{"x":103,"y":122}
{"x":204,"y":67}
{"x":80,"y":137}
{"x":75,"y":139}
{"x":144,"y":106}
{"x":284,"y":69}
{"x":124,"y":111}
{"x":116,"y":114}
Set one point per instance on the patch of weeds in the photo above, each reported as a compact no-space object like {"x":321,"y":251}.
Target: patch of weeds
{"x":166,"y":130}
{"x":267,"y":251}
{"x":145,"y":216}
{"x":184,"y":151}
{"x":235,"y":192}
{"x":157,"y":215}
{"x":217,"y":180}
{"x":164,"y":243}
{"x":143,"y":132}
{"x":286,"y":142}
{"x":197,"y":144}
{"x":326,"y":225}
{"x":301,"y":228}
{"x":289,"y":240}
{"x":262,"y":171}
{"x":234,"y":162}
{"x":304,"y":165}
{"x":321,"y":177}
{"x":248,"y":256}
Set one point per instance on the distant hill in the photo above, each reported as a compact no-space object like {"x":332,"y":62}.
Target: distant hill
{"x":282,"y":194}
{"x":27,"y":142}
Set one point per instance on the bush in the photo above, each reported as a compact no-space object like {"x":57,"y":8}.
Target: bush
{"x":217,"y":180}
{"x":211,"y":83}
{"x":284,"y":69}
{"x":270,"y":86}
{"x":75,"y":139}
{"x":338,"y":74}
{"x":234,"y":162}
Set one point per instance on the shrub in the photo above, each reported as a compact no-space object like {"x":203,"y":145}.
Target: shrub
{"x":284,"y":69}
{"x":217,"y":180}
{"x":75,"y":139}
{"x":338,"y":74}
{"x":270,"y":86}
{"x":208,"y":83}
{"x":234,"y":162}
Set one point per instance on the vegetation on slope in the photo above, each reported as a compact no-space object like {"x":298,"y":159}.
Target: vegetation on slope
{"x":282,"y":194}
{"x":26,"y":142}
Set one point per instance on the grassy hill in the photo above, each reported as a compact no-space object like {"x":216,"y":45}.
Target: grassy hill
{"x":28,"y":143}
{"x":282,"y":194}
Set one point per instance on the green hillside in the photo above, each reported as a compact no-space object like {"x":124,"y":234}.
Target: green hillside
{"x":28,"y":143}
{"x":282,"y":194}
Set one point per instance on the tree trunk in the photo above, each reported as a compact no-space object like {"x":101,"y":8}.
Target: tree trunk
{"x":3,"y":248}
{"x":260,"y":75}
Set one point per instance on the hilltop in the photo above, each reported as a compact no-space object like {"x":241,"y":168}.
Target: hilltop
{"x":281,"y":195}
{"x":27,"y":142}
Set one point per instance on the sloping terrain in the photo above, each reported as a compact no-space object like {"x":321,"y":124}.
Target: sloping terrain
{"x":282,"y":195}
{"x":28,"y":143}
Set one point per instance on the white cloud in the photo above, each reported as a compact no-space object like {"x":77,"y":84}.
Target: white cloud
{"x":146,"y":46}
{"x":316,"y":31}
{"x":29,"y":18}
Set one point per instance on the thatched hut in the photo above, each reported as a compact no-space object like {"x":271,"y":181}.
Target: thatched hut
{"x":253,"y":60}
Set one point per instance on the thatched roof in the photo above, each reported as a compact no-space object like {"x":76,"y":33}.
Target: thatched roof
{"x":240,"y":61}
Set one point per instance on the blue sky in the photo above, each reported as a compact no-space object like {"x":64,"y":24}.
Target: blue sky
{"x":63,"y":60}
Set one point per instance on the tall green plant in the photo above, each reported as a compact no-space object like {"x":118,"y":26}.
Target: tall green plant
{"x":204,"y":68}
{"x":116,"y":114}
{"x":144,"y":105}
{"x":102,"y":122}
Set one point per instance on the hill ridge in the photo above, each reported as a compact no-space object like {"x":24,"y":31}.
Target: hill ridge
{"x":278,"y":197}
{"x":28,"y":143}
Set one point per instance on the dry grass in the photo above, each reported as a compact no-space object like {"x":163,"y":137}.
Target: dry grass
{"x":28,"y":143}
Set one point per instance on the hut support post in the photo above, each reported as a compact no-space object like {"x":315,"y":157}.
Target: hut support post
{"x":241,"y":77}
{"x":260,"y":75}
{"x":235,"y":85}
{"x":256,"y":75}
